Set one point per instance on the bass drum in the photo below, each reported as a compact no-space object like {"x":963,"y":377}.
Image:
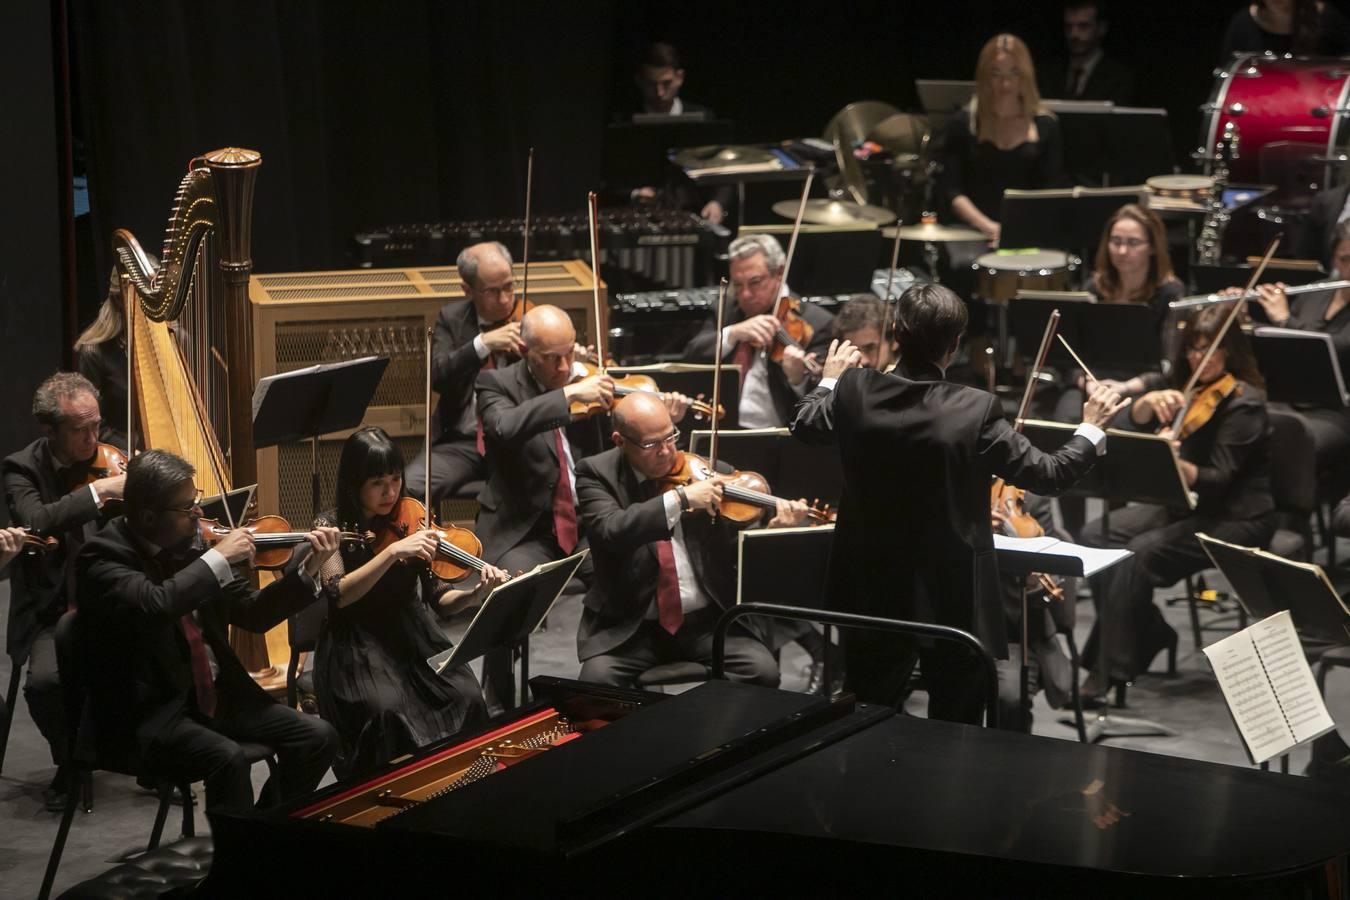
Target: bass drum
{"x":1290,"y":114}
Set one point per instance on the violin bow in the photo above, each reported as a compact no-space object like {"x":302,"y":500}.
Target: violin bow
{"x":592,"y":211}
{"x":525,"y":255}
{"x":1238,"y":306}
{"x":717,"y":375}
{"x":895,"y":258}
{"x":1051,"y":325}
{"x":796,"y":230}
{"x":426,"y":437}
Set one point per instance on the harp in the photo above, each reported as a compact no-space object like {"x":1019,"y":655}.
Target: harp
{"x":190,"y":339}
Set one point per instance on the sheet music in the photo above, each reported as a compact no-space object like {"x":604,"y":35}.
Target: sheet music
{"x":1269,"y":687}
{"x":1094,"y":559}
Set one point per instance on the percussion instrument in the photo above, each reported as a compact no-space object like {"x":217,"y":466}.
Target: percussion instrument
{"x":1290,"y":114}
{"x":836,"y":212}
{"x":934,"y":233}
{"x":1180,"y":188}
{"x":712,"y":156}
{"x":1001,"y":275}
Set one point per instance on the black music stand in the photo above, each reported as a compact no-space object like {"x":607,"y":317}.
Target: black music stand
{"x":1266,"y":584}
{"x":510,"y":614}
{"x":790,"y":566}
{"x":1021,"y":557}
{"x":1300,"y":367}
{"x":1116,"y":337}
{"x":792,"y":468}
{"x":1107,"y":144}
{"x":693,"y":380}
{"x":634,"y":154}
{"x":830,"y":259}
{"x":238,"y":501}
{"x":1069,"y":219}
{"x":307,"y":403}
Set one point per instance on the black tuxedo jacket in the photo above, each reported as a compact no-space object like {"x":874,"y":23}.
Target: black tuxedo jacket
{"x":38,"y":500}
{"x":137,"y":662}
{"x":1110,"y":80}
{"x":518,"y":420}
{"x":704,"y":344}
{"x":454,"y":367}
{"x":623,"y":520}
{"x":913,"y":539}
{"x":1315,"y":237}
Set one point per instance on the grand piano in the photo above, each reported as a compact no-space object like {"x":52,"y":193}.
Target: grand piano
{"x":731,"y":788}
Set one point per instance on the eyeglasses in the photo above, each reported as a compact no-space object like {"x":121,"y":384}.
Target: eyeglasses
{"x":1005,"y":73}
{"x":652,"y":445}
{"x":753,"y":284}
{"x":1127,"y":243}
{"x":194,"y":505}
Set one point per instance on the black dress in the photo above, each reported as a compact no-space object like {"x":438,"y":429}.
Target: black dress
{"x":1245,"y":35}
{"x":1330,"y":428}
{"x":982,"y":172}
{"x":371,"y":672}
{"x":105,"y":365}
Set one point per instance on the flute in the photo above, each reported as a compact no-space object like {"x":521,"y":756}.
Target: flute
{"x":1207,"y":299}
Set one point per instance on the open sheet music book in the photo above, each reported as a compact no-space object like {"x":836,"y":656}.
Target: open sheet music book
{"x":1093,"y":559}
{"x":1269,"y":687}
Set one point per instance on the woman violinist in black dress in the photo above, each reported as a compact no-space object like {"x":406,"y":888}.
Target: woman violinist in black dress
{"x":371,"y":671}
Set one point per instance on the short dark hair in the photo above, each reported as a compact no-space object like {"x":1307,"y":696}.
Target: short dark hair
{"x":368,"y":453}
{"x":1098,"y":6}
{"x":151,"y":477}
{"x":660,"y":55}
{"x":55,"y":388}
{"x":928,"y":320}
{"x":862,"y":311}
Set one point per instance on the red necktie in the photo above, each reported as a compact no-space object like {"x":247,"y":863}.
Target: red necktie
{"x":564,"y":513}
{"x":743,"y":356}
{"x":478,"y":423}
{"x":669,"y":612}
{"x":201,"y":666}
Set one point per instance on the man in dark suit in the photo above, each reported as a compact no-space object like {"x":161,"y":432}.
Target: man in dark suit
{"x":469,"y":337}
{"x":913,"y":539}
{"x":1088,"y":73}
{"x":664,"y":569}
{"x":46,"y":492}
{"x":769,"y":390}
{"x":164,"y":685}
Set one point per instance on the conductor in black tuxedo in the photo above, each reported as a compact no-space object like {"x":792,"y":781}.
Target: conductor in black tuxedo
{"x":46,"y":490}
{"x":164,"y":685}
{"x":913,"y":539}
{"x":664,"y":569}
{"x":769,"y":390}
{"x":468,"y":338}
{"x":1087,"y":73}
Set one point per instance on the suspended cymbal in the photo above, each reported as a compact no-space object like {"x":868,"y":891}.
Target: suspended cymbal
{"x":936,"y":233}
{"x":835,"y":212}
{"x":904,"y":135}
{"x":703,"y":157}
{"x":848,"y":128}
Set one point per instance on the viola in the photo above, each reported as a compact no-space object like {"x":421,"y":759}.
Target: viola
{"x":632,"y":383}
{"x":793,"y":331}
{"x":745,"y":495}
{"x":1205,"y":404}
{"x":106,"y":462}
{"x":458,"y":550}
{"x":272,"y":537}
{"x":36,"y":543}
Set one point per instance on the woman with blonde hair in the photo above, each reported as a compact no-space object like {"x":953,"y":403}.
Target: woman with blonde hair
{"x":1007,"y":139}
{"x":101,"y":356}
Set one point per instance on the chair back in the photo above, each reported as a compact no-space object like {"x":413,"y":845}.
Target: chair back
{"x":74,"y":689}
{"x":302,"y":628}
{"x":1293,"y":464}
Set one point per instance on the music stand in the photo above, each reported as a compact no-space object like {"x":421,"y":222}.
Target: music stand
{"x":634,"y":154}
{"x":830,"y":259}
{"x":1070,"y":219}
{"x":1117,"y":337}
{"x":238,"y":500}
{"x":789,"y":563}
{"x":1266,"y":584}
{"x":692,"y":380}
{"x":510,"y":614}
{"x":1300,"y":367}
{"x":793,"y":469}
{"x":306,"y":403}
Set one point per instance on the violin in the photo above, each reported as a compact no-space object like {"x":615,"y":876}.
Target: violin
{"x":458,"y":550}
{"x":745,"y":495}
{"x":106,"y":462}
{"x":36,"y":543}
{"x":272,"y":537}
{"x":1205,"y":404}
{"x":632,"y":383}
{"x":793,"y":331}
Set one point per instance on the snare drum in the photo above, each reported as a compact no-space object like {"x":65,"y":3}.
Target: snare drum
{"x":1001,"y":275}
{"x":1290,"y":114}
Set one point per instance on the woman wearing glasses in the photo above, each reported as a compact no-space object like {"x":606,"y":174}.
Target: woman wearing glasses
{"x":371,"y":671}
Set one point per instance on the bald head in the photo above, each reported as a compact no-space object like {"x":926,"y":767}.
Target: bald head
{"x":642,"y":418}
{"x":550,"y":341}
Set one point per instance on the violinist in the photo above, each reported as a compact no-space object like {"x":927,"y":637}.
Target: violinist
{"x":1224,"y":459}
{"x":371,"y":671}
{"x":483,"y":333}
{"x":913,"y":538}
{"x":860,"y":321}
{"x":664,"y":568}
{"x":769,"y":390}
{"x":166,"y":688}
{"x":1327,"y":312}
{"x":53,"y":487}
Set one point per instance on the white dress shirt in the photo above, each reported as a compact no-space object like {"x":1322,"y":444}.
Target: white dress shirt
{"x":756,"y":405}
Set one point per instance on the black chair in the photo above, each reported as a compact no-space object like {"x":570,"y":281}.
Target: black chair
{"x":7,"y":714}
{"x":84,"y":760}
{"x":302,"y":632}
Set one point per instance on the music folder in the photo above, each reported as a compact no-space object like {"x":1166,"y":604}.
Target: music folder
{"x":304,"y":403}
{"x":239,"y":500}
{"x":1266,"y":584}
{"x":1138,"y":466}
{"x":1113,"y":337}
{"x":1300,"y":367}
{"x":1061,"y":218}
{"x":1052,"y":556}
{"x":784,"y":565}
{"x":512,"y":612}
